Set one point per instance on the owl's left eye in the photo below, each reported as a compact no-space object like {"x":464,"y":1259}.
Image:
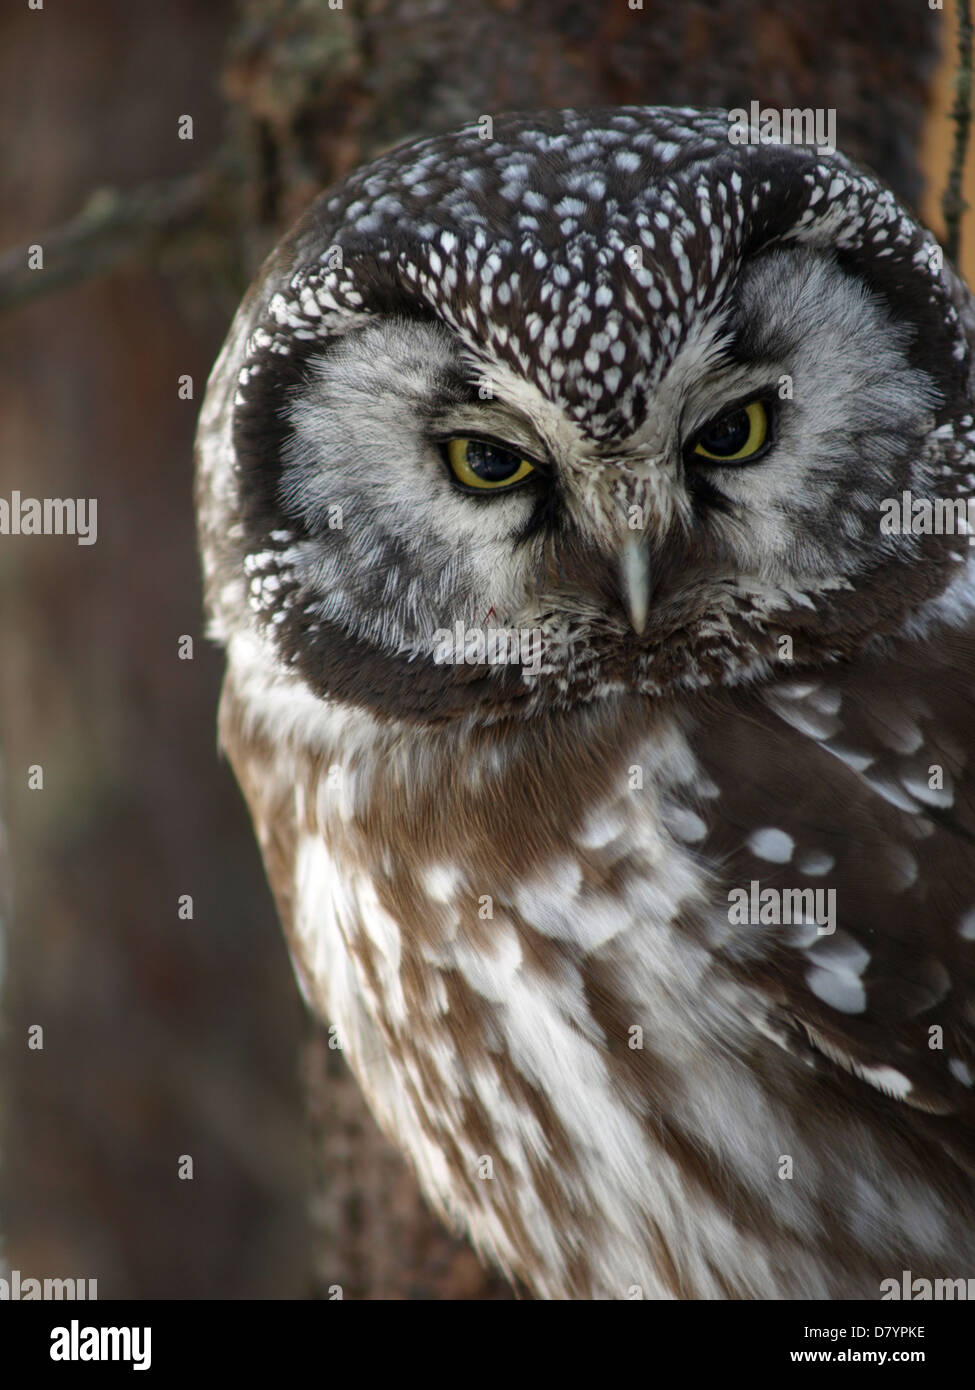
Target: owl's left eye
{"x":738,"y":436}
{"x":487,"y":467}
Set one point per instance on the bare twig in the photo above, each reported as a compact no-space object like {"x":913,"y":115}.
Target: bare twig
{"x":953,"y":204}
{"x":111,"y":228}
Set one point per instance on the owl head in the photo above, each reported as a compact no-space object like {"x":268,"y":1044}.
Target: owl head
{"x":603,"y":380}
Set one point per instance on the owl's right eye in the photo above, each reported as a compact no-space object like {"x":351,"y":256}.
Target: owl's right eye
{"x":483,"y":466}
{"x":741,"y":435}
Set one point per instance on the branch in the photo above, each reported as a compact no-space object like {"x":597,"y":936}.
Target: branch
{"x":112,"y":227}
{"x":953,"y":204}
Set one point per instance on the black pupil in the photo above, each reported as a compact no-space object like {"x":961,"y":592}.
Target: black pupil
{"x":728,"y":435}
{"x":490,"y":463}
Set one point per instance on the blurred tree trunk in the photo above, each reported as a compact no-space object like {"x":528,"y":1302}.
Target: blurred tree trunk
{"x":316,"y":91}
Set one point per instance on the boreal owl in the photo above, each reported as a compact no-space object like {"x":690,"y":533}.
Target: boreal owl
{"x":583,"y":507}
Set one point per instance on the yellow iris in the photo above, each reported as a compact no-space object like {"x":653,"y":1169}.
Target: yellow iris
{"x":476,"y":463}
{"x":734,"y":436}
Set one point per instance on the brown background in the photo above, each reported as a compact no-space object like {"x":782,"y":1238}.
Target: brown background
{"x":165,"y":1037}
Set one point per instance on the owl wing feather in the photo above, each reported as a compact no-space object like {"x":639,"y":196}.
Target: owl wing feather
{"x":868,"y":773}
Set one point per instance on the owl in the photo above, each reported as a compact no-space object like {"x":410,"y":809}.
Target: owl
{"x":583,"y":508}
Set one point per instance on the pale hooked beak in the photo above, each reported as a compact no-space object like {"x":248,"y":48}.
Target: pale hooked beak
{"x":635,"y":580}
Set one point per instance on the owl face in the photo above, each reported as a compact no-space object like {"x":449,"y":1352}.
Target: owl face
{"x":637,"y":396}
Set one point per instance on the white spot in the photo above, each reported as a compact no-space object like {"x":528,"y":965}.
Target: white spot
{"x":600,"y":828}
{"x":841,"y":954}
{"x":826,"y":701}
{"x":547,"y":902}
{"x":887,"y":1079}
{"x":489,"y":968}
{"x":775,"y":846}
{"x":902,"y":735}
{"x":441,"y":882}
{"x":685,"y":825}
{"x":960,"y":1071}
{"x":804,"y":718}
{"x":815,"y":863}
{"x":903,"y":866}
{"x":888,"y":789}
{"x":796,"y":690}
{"x":857,"y":762}
{"x":932,"y":796}
{"x":627,"y":160}
{"x":839,"y":990}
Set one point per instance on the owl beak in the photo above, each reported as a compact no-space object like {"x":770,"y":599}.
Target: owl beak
{"x":635,"y":580}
